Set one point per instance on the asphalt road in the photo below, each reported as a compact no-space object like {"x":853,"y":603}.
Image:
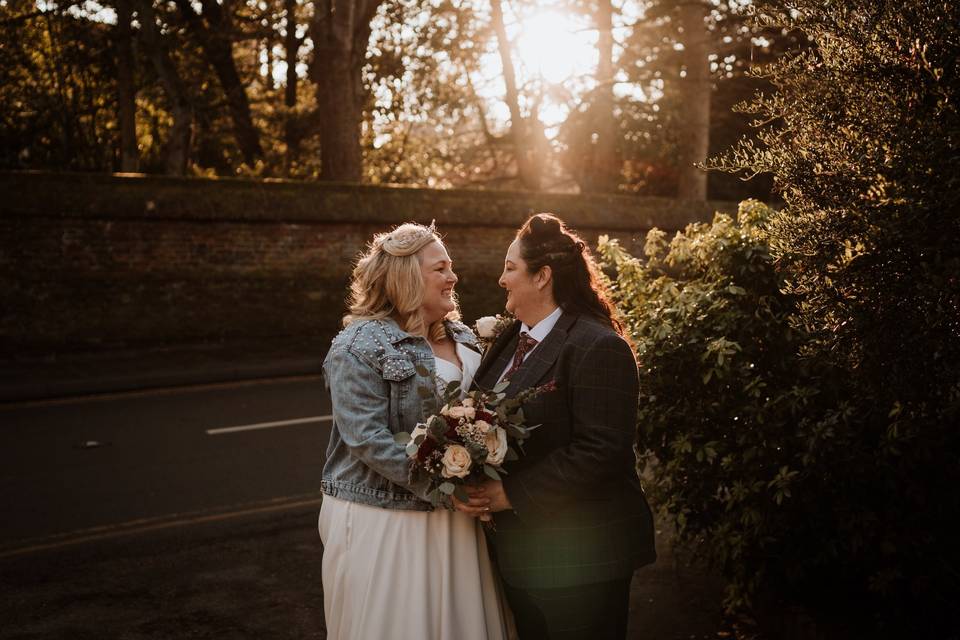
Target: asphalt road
{"x":151,"y":516}
{"x":95,"y":465}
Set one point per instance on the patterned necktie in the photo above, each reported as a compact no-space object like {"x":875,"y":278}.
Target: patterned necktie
{"x":524,"y":344}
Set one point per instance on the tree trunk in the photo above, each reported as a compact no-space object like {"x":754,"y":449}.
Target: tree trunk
{"x":292,"y":129}
{"x":695,"y":93}
{"x":268,"y":46}
{"x":291,"y":45}
{"x":340,"y":31}
{"x":526,"y":164}
{"x":214,"y":39}
{"x":603,"y":173}
{"x":126,"y":90}
{"x":178,"y":144}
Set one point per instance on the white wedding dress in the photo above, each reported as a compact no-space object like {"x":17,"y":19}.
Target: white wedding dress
{"x":417,"y":575}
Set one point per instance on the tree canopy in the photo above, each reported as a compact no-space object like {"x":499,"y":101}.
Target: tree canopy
{"x":568,"y":95}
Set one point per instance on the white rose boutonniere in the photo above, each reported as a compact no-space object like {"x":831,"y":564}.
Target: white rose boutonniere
{"x":488,"y":328}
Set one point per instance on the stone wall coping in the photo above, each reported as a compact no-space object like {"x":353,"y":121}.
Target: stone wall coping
{"x":37,"y":194}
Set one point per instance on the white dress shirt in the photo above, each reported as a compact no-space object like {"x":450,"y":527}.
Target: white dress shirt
{"x":538,"y":332}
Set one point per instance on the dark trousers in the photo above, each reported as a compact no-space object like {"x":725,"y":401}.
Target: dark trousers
{"x":594,"y":611}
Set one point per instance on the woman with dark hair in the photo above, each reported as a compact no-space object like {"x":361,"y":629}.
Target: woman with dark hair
{"x":572,"y":522}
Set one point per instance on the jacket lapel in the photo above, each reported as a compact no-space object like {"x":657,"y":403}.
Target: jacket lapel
{"x":542,"y":358}
{"x":495,"y":359}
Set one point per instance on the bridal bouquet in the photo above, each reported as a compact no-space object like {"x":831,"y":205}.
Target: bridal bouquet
{"x":469,"y":439}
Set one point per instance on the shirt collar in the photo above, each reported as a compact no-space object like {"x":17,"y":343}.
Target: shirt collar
{"x":543,"y":328}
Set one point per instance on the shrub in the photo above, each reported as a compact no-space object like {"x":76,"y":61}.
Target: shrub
{"x":860,"y":325}
{"x":864,"y":146}
{"x":760,"y":454}
{"x":723,"y":393}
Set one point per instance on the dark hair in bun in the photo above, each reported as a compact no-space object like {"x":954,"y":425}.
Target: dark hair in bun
{"x":546,"y":241}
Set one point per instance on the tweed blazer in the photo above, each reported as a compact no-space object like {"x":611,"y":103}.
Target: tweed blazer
{"x":579,"y":513}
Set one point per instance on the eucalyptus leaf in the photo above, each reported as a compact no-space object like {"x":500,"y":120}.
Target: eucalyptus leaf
{"x":447,"y":488}
{"x":437,"y":426}
{"x":425,"y":393}
{"x":412,"y":449}
{"x":501,"y":386}
{"x":477,"y":451}
{"x":401,"y":438}
{"x":491,"y":472}
{"x":453,"y":389}
{"x":422,"y":370}
{"x":461,"y":493}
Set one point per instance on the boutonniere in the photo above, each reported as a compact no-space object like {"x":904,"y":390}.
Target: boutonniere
{"x":489,"y":328}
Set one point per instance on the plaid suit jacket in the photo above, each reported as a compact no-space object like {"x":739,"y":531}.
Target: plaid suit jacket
{"x":580,"y":515}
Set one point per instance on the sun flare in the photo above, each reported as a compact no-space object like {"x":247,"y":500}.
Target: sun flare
{"x":555,"y":46}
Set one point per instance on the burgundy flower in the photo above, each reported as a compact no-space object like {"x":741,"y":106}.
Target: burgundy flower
{"x":428,"y":446}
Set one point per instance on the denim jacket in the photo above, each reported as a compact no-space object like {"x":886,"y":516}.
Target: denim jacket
{"x":371,"y":373}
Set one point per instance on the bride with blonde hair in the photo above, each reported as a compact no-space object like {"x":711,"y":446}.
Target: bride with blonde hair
{"x":393,"y":566}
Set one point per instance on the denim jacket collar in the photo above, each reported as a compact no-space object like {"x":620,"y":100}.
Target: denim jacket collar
{"x":455,"y":329}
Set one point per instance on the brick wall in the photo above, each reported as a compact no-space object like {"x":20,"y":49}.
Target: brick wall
{"x":95,"y":261}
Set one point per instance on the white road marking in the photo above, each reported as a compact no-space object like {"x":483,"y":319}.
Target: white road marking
{"x":268,"y":425}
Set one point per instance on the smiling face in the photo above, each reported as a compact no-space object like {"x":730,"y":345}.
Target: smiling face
{"x":528,"y":294}
{"x":438,"y":282}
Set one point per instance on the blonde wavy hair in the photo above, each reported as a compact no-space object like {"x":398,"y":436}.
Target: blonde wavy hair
{"x":387,"y":281}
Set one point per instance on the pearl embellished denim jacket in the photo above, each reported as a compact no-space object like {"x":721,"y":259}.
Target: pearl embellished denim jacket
{"x":371,"y":373}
